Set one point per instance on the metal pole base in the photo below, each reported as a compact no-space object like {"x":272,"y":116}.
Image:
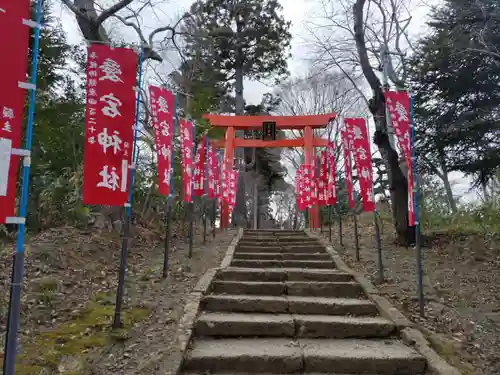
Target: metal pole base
{"x":14,"y":314}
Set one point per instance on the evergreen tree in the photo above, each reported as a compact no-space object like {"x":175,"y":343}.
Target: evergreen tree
{"x":239,"y":39}
{"x":457,"y":92}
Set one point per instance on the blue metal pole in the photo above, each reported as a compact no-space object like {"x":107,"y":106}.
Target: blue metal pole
{"x":128,"y":212}
{"x":420,"y":270}
{"x":136,"y":130}
{"x":18,"y":261}
{"x":168,"y":234}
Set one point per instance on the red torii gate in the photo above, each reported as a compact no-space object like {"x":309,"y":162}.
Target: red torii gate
{"x":308,"y":142}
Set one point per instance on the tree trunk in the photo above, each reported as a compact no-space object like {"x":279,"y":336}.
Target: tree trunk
{"x":239,"y":213}
{"x":446,"y":182}
{"x":398,"y":185}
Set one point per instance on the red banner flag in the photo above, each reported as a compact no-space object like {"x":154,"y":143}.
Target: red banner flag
{"x":398,"y":105}
{"x":362,"y":158}
{"x":217,"y":177}
{"x":322,"y":180}
{"x":186,"y":132}
{"x":162,"y":115}
{"x":347,"y":168}
{"x":109,"y":122}
{"x":299,"y":188}
{"x":13,"y":66}
{"x":212,"y":165}
{"x":199,"y":169}
{"x":233,"y":181}
{"x":308,"y":185}
{"x":332,"y":190}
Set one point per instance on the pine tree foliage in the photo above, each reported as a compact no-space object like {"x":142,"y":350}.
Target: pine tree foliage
{"x":457,"y":92}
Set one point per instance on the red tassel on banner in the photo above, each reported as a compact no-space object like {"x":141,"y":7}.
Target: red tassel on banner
{"x":14,"y":43}
{"x":347,"y":168}
{"x":109,"y":135}
{"x":398,"y":105}
{"x":362,"y":158}
{"x":186,"y":133}
{"x":162,"y":115}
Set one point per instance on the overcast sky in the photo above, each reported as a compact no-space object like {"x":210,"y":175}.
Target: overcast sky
{"x":297,"y":11}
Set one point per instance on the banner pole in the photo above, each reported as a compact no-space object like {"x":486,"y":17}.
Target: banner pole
{"x":191,"y":204}
{"x":420,"y":269}
{"x":380,"y":260}
{"x":117,"y":323}
{"x":341,"y":240}
{"x":356,"y":235}
{"x":14,"y":312}
{"x":168,"y":232}
{"x":330,"y":222}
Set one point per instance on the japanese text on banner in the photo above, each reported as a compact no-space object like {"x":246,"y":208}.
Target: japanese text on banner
{"x":398,"y":105}
{"x":299,"y":189}
{"x":13,"y":67}
{"x":332,"y":189}
{"x":322,"y":180}
{"x":186,"y":133}
{"x":162,"y":115}
{"x":109,"y":123}
{"x":347,"y":168}
{"x":212,"y":171}
{"x":358,"y":133}
{"x":199,"y":169}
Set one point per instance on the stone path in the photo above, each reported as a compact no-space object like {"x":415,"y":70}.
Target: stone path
{"x":282,"y":307}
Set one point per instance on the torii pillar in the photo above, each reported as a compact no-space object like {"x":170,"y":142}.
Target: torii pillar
{"x":306,"y":124}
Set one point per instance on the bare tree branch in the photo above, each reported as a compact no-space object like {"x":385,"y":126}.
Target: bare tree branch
{"x":111,"y":11}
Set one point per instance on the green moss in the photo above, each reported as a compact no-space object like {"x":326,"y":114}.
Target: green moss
{"x":46,"y":298}
{"x":447,"y":350}
{"x":28,"y":369}
{"x":90,"y":330}
{"x":47,"y":284}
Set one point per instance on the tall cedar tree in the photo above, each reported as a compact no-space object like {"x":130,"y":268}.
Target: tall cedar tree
{"x":239,"y":38}
{"x":457,"y":92}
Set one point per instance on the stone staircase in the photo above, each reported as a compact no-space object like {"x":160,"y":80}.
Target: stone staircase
{"x":282,"y":307}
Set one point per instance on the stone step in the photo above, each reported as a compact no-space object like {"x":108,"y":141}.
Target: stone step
{"x":350,"y":356}
{"x":283,"y":242}
{"x":260,"y":373}
{"x":314,"y":248}
{"x":275,"y":233}
{"x":263,"y":263}
{"x":289,"y":304}
{"x":281,"y":274}
{"x":290,"y":288}
{"x":283,"y":256}
{"x":324,"y":289}
{"x":266,"y":288}
{"x":224,"y":324}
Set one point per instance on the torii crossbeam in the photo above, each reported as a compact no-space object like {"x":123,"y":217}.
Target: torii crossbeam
{"x":305,"y":123}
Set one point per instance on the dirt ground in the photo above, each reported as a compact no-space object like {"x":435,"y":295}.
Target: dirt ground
{"x":69,"y":296}
{"x":461,"y":280}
